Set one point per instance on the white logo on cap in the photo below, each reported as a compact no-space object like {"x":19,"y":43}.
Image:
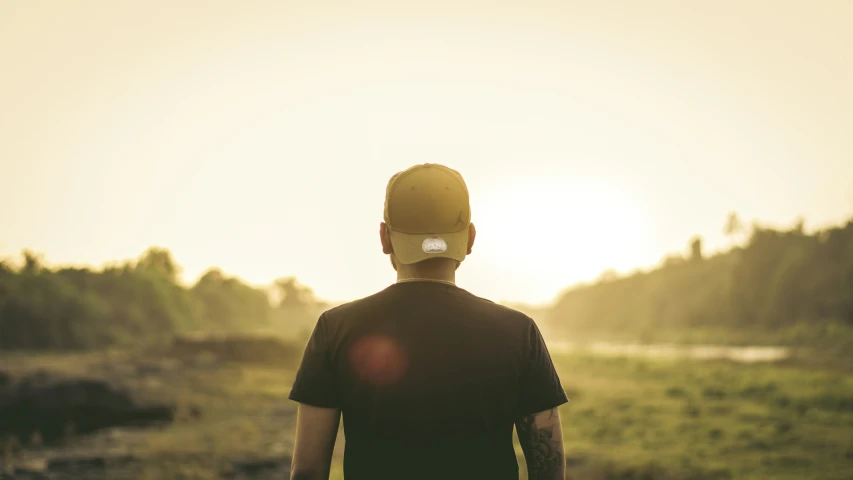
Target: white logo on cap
{"x":434,"y":245}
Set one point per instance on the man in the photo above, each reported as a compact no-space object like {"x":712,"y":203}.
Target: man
{"x":430,"y":378}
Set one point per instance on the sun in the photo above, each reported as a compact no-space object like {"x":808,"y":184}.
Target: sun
{"x":554,"y":234}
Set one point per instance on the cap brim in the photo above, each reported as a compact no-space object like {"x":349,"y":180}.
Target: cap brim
{"x":409,"y":247}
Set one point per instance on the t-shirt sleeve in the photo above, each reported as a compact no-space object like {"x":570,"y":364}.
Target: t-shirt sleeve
{"x":316,"y":380}
{"x":540,"y":385}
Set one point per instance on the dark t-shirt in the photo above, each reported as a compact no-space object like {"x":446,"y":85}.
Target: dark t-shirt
{"x":430,"y":380}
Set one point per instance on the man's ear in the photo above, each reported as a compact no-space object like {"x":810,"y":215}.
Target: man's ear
{"x":385,"y":238}
{"x":472,"y":234}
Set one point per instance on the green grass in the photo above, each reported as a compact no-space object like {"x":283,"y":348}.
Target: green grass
{"x":632,"y":418}
{"x":647,"y":419}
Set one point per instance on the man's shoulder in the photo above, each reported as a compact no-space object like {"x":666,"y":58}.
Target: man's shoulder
{"x":501,"y":313}
{"x":353,"y":307}
{"x":502,"y":309}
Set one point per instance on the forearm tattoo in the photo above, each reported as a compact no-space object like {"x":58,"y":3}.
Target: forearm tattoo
{"x":541,"y":446}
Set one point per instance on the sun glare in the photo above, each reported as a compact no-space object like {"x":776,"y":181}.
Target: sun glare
{"x":551,"y":234}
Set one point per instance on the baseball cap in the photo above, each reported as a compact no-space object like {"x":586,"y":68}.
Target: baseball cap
{"x":427,"y":211}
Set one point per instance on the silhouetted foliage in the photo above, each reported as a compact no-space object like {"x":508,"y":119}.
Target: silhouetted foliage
{"x":292,"y":294}
{"x":779,"y":278}
{"x":733,"y":225}
{"x":158,"y":261}
{"x":132,"y":303}
{"x":696,"y":249}
{"x":230,"y":304}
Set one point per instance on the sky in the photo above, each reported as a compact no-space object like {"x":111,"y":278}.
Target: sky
{"x":258,"y":136}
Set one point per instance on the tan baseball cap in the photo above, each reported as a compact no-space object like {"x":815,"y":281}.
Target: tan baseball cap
{"x":427,"y":211}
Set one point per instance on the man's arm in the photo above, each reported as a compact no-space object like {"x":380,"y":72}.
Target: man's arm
{"x":541,"y":439}
{"x":316,"y":432}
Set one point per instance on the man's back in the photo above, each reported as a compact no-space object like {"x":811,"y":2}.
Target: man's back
{"x":430,"y":380}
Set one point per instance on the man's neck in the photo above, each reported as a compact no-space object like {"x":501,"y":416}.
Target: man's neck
{"x":440,"y":271}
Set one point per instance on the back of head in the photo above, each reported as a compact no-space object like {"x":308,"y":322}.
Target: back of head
{"x":428,"y":214}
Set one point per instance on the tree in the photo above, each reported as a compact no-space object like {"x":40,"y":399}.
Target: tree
{"x":799,"y":226}
{"x":696,"y":249}
{"x":733,"y":227}
{"x":230,"y":304}
{"x":292,"y":294}
{"x":159,"y":260}
{"x":32,"y":262}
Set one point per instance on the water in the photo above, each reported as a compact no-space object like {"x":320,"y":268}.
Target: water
{"x":702,"y":352}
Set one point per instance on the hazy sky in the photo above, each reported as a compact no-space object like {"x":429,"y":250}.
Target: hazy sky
{"x":258,"y":136}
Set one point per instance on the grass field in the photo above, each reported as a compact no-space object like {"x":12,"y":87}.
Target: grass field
{"x":632,"y":418}
{"x":627,"y":419}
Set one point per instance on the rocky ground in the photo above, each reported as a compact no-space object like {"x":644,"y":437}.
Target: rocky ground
{"x":202,"y":409}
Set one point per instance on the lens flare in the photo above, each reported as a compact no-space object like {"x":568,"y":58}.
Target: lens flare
{"x":378,"y":360}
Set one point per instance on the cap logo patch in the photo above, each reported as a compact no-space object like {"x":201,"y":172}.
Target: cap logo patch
{"x":434,"y":245}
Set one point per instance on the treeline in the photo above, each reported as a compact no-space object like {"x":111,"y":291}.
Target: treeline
{"x":133,"y":303}
{"x":772,"y":281}
{"x":776,"y":280}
